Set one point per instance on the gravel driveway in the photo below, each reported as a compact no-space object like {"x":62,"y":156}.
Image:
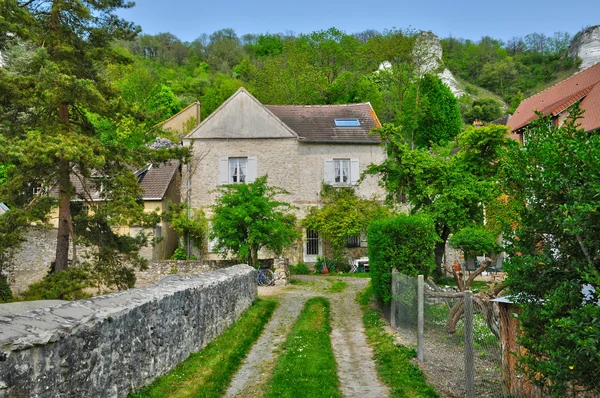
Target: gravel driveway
{"x":356,"y":368}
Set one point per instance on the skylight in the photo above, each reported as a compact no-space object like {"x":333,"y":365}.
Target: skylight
{"x":347,"y":123}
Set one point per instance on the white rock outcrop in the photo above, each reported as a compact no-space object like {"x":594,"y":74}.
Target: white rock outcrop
{"x":587,"y":47}
{"x":427,"y":54}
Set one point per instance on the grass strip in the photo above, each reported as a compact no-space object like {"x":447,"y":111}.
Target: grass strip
{"x":208,"y":373}
{"x":307,"y":367}
{"x":337,"y":285}
{"x":393,"y":362}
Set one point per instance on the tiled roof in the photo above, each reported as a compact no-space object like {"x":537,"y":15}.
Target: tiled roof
{"x":156,"y":180}
{"x":153,"y":180}
{"x":316,"y":123}
{"x":584,"y":86}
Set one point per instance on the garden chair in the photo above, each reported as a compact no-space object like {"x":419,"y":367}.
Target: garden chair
{"x":470,"y":265}
{"x":497,"y":266}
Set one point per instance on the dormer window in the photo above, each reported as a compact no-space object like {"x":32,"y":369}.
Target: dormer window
{"x":347,"y":123}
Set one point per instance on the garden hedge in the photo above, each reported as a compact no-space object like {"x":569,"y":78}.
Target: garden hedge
{"x":405,"y":243}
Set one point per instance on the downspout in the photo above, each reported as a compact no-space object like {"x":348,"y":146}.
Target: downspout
{"x":189,"y":202}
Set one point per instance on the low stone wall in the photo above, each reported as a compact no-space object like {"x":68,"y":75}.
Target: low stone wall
{"x":109,"y":345}
{"x":159,"y":269}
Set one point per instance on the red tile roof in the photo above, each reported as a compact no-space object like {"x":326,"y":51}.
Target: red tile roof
{"x":316,"y":123}
{"x":583,"y":86}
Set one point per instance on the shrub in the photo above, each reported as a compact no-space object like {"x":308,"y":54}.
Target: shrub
{"x":62,"y":285}
{"x":299,"y":269}
{"x":5,"y":292}
{"x":179,"y":254}
{"x":405,"y":243}
{"x":333,"y":265}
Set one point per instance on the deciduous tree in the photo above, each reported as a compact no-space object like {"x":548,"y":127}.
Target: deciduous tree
{"x":248,"y":217}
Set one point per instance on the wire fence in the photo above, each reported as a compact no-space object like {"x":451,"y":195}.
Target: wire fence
{"x":456,"y":336}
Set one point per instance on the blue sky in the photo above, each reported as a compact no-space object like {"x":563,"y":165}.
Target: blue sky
{"x":468,"y":19}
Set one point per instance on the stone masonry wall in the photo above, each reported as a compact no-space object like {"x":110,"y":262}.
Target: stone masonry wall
{"x":109,"y":345}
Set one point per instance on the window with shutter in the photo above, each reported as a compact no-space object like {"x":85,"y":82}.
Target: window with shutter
{"x":238,"y":170}
{"x":342,"y":172}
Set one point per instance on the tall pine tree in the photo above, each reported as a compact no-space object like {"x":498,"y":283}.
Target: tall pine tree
{"x":52,"y":83}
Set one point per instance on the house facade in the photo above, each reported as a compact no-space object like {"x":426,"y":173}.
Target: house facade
{"x":298,"y":147}
{"x":557,"y":101}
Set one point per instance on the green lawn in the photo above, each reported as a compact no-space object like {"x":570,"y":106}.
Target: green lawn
{"x":307,"y":366}
{"x":208,"y":373}
{"x":394,"y":362}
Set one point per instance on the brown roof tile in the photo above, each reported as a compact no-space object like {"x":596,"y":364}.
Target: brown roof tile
{"x":153,"y":180}
{"x":156,"y":180}
{"x":316,"y":123}
{"x":559,"y":97}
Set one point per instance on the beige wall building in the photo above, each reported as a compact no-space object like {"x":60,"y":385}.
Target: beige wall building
{"x":298,"y":147}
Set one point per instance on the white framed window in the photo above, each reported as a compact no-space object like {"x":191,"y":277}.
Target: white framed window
{"x":237,"y":170}
{"x":341,"y":171}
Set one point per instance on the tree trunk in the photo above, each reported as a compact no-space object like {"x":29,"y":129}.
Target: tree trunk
{"x":64,"y":217}
{"x":440,"y":250}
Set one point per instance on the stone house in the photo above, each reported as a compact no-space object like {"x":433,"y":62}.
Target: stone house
{"x":557,"y":101}
{"x":298,"y":147}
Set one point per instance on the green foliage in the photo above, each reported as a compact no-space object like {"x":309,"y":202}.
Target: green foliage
{"x":395,"y":363}
{"x":450,"y":189}
{"x":62,"y":285}
{"x":179,"y":254}
{"x":342,"y":215}
{"x":521,"y":65}
{"x":299,"y":269}
{"x":68,"y":122}
{"x":484,"y":109}
{"x":5,"y":292}
{"x":186,"y":222}
{"x":248,"y":217}
{"x":333,"y":265}
{"x":307,"y":366}
{"x":209,"y":372}
{"x":405,"y":243}
{"x":474,"y":241}
{"x":554,"y":253}
{"x":438,"y":118}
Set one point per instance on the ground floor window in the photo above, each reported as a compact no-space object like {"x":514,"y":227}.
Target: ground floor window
{"x":312,"y":243}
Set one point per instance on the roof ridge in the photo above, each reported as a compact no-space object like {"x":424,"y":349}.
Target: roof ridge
{"x":597,"y":64}
{"x":319,"y":105}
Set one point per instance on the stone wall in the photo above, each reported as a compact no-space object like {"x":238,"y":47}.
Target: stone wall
{"x":109,"y":345}
{"x":159,"y":269}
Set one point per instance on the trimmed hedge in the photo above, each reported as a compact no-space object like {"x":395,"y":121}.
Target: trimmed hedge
{"x":405,"y":243}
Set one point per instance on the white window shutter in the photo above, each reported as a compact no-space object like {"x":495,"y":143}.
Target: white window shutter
{"x":223,"y":170}
{"x":329,"y":171}
{"x":354,"y":171}
{"x":252,"y":169}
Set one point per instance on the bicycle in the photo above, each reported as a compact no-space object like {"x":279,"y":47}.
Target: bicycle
{"x":264,"y":276}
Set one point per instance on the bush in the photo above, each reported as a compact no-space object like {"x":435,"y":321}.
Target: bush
{"x":333,"y":265}
{"x":5,"y":292}
{"x":62,"y":285}
{"x":179,"y":254}
{"x":405,"y":243}
{"x":299,"y":269}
